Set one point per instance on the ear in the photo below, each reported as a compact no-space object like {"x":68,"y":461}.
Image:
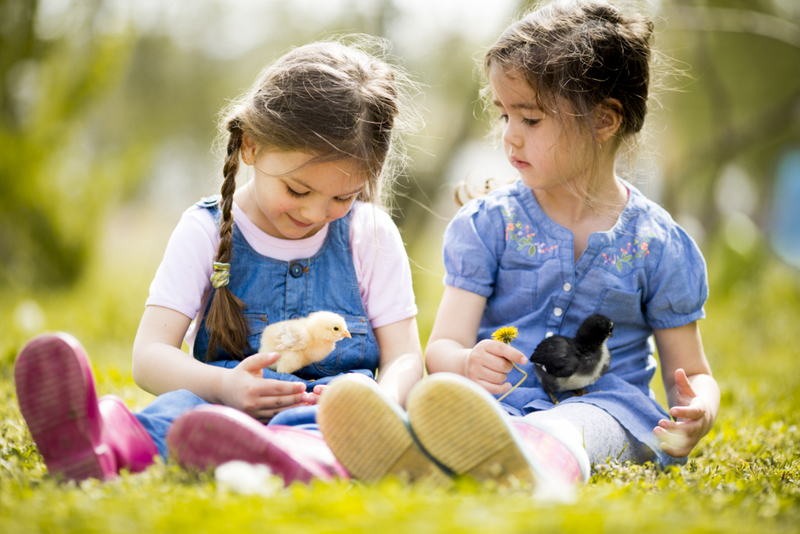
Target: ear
{"x":249,"y":150}
{"x":608,"y":116}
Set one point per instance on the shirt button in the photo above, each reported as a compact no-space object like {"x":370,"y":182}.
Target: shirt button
{"x":549,"y":334}
{"x":567,"y":287}
{"x":296,"y":270}
{"x":557,"y":312}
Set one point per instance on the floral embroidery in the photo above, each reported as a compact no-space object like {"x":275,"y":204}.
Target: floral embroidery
{"x":637,"y":249}
{"x":524,"y":238}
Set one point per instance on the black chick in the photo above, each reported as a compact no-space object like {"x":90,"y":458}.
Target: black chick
{"x":563,"y":363}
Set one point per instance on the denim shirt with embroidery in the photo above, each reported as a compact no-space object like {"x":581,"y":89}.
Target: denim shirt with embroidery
{"x":274,"y":290}
{"x":644,"y":273}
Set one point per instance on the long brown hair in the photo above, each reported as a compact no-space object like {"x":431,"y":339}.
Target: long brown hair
{"x":336,"y":100}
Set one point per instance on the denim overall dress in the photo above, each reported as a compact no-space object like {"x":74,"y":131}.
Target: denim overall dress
{"x":273,"y":291}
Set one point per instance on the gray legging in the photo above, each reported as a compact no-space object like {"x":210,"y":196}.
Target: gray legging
{"x":603,"y":437}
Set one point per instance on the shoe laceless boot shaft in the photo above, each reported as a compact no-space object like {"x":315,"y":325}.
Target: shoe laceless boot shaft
{"x":211,"y":435}
{"x":76,"y":437}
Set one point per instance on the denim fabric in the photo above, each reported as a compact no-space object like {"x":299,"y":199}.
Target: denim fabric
{"x":644,"y":273}
{"x":273,"y":291}
{"x":302,"y":416}
{"x":157,"y":418}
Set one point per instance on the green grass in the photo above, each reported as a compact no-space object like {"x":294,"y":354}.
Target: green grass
{"x":744,"y":477}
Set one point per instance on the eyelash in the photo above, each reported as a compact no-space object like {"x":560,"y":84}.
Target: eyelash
{"x":526,"y":122}
{"x":295,"y":194}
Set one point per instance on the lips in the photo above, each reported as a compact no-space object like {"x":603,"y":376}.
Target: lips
{"x":518,"y":163}
{"x":298,"y":223}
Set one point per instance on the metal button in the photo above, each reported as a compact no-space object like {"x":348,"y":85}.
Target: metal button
{"x":557,"y":312}
{"x":296,"y":270}
{"x":294,"y":316}
{"x":567,"y":286}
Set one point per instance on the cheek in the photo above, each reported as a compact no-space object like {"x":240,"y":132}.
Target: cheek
{"x":337,"y":210}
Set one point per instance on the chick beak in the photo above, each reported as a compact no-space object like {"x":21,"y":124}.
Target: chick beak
{"x":346,"y":333}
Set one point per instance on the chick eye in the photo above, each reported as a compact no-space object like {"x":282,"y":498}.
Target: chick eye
{"x":335,"y":328}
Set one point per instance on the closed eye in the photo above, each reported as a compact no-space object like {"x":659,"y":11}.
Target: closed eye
{"x":294,"y":193}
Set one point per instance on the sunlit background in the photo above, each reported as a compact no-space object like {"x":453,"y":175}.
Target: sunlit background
{"x":108,"y":110}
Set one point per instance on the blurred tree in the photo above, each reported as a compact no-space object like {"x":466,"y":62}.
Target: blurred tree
{"x":56,"y":171}
{"x":741,"y":108}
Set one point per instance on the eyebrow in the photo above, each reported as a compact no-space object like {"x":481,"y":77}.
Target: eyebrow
{"x":529,"y":107}
{"x":302,"y":183}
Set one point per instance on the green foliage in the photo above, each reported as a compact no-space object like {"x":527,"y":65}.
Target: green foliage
{"x":744,"y":477}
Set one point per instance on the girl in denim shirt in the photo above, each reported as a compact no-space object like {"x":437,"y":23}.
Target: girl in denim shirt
{"x":304,"y":233}
{"x":566,"y":240}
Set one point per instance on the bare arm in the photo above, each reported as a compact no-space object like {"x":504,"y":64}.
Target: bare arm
{"x":160,"y":366}
{"x":401,"y":358}
{"x":692,"y":392}
{"x":452,"y":346}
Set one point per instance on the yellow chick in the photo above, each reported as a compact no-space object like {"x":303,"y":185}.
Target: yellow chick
{"x":304,"y":341}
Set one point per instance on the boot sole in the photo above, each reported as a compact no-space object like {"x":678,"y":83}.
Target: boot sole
{"x":462,"y":426}
{"x":57,"y":400}
{"x":370,"y":437}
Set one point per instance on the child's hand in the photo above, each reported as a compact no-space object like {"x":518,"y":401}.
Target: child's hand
{"x":245,"y":388}
{"x":313,"y":397}
{"x":489,"y":363}
{"x":693,"y":417}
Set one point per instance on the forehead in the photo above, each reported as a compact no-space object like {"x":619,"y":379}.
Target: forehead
{"x":336,"y":177}
{"x":511,"y":91}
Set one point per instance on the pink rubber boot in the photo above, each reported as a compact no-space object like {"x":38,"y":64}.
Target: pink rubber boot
{"x":212,"y":435}
{"x":77,"y":436}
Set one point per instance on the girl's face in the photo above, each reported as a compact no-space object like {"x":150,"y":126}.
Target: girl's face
{"x":294,"y":201}
{"x":535,"y":140}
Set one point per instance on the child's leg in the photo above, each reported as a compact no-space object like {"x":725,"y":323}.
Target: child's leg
{"x":368,"y":432}
{"x":212,"y":435}
{"x":77,"y":436}
{"x":158,"y":416}
{"x":602,"y":436}
{"x":464,"y":428}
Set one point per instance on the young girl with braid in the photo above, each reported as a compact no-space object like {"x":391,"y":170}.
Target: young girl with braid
{"x":318,"y":132}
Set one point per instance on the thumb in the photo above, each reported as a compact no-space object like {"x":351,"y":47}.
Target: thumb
{"x":259,"y":361}
{"x":682,"y":381}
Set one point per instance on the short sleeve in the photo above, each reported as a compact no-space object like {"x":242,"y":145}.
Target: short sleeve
{"x":678,"y":287}
{"x":470,"y":262}
{"x":382,"y":267}
{"x":182,"y":278}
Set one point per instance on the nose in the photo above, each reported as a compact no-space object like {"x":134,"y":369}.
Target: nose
{"x":315,"y":212}
{"x":512,"y":134}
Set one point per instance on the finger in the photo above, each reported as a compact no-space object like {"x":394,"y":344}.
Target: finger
{"x":319,"y":389}
{"x":682,"y":381}
{"x":259,"y":361}
{"x":281,"y":402}
{"x":686,"y":412}
{"x":493,"y":377}
{"x":497,"y":365}
{"x":692,"y":428}
{"x":676,"y":452}
{"x":494,"y":389}
{"x":509,"y":353}
{"x":270,"y":387}
{"x":674,"y":440}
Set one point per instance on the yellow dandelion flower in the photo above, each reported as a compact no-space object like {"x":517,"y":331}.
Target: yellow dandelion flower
{"x":506,"y":334}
